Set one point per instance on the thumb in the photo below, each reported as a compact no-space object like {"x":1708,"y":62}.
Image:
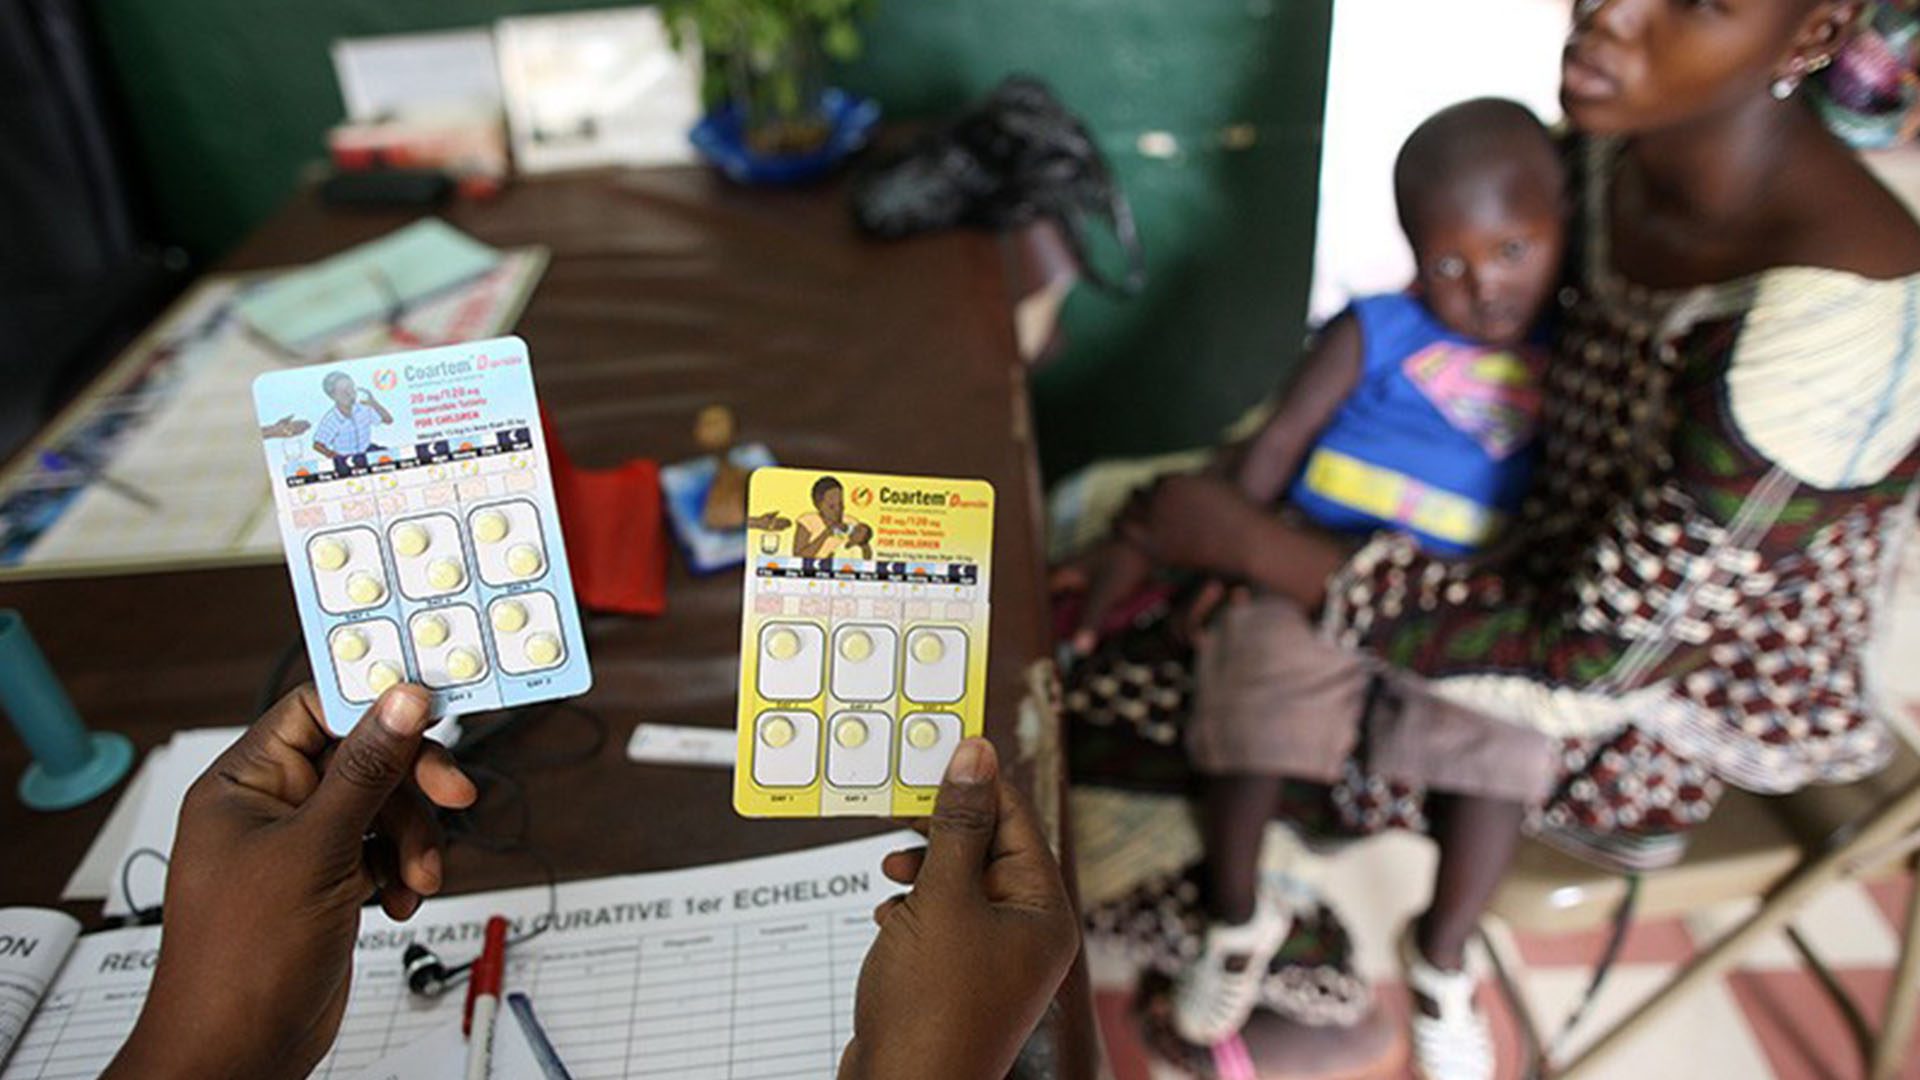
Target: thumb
{"x":965,"y":815}
{"x":373,"y":760}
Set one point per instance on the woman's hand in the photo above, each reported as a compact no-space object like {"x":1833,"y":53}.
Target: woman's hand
{"x":280,"y":842}
{"x":966,"y":963}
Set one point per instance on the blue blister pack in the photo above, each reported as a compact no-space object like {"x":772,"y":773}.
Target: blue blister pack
{"x":418,"y":515}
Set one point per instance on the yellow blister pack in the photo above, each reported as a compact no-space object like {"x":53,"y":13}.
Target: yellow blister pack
{"x":863,"y":640}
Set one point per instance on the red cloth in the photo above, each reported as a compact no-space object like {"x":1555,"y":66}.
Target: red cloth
{"x":615,"y":540}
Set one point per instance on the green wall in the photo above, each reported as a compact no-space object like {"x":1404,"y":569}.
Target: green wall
{"x":230,"y":98}
{"x":1229,"y":233}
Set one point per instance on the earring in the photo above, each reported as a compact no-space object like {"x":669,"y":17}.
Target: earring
{"x":1785,"y":85}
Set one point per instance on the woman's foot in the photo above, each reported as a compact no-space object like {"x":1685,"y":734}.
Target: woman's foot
{"x":1451,"y":1039}
{"x":1217,"y":992}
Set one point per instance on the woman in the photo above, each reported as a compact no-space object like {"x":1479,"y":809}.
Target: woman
{"x":287,"y":834}
{"x":1729,"y":463}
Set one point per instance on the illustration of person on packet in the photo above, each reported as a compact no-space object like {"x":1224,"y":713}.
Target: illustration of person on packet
{"x":828,"y":529}
{"x":346,"y":429}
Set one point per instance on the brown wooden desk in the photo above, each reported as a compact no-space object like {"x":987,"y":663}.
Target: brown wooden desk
{"x":668,"y":290}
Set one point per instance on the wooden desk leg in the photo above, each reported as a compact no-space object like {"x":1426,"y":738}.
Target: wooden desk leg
{"x":1041,"y":748}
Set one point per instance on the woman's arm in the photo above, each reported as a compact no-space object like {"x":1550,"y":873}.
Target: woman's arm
{"x":1325,"y":379}
{"x":1202,"y":522}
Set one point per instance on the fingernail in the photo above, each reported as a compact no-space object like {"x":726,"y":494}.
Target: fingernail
{"x":403,"y":711}
{"x":430,"y":865}
{"x":969,"y":764}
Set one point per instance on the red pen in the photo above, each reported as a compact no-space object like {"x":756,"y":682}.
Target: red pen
{"x":484,"y":992}
{"x":493,"y":954}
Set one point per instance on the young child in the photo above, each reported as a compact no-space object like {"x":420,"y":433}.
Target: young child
{"x":347,"y":428}
{"x":1413,"y":411}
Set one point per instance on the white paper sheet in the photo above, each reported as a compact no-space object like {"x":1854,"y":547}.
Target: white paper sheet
{"x":592,"y":88}
{"x":441,"y":1054}
{"x":169,"y":772}
{"x":396,"y":74}
{"x":738,"y":969}
{"x":33,"y":942}
{"x":677,"y":744}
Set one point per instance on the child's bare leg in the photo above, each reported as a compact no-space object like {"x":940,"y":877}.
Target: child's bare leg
{"x":1477,"y":838}
{"x":1235,"y":810}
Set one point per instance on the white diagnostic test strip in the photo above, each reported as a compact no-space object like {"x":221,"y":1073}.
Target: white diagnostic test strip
{"x":423,"y":541}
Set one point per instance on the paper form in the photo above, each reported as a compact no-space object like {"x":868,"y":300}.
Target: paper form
{"x":363,"y":283}
{"x":441,"y":1054}
{"x":33,"y":942}
{"x":735,"y":970}
{"x":173,"y":417}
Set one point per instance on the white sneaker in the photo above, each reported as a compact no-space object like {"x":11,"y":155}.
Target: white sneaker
{"x":1458,"y":1043}
{"x":1217,"y":992}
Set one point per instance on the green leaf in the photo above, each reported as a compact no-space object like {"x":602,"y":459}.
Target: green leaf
{"x":841,"y":41}
{"x":786,"y":92}
{"x":760,"y":36}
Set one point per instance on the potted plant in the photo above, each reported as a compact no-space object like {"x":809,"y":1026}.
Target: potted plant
{"x":766,"y":64}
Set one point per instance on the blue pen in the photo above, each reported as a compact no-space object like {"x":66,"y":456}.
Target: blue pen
{"x":57,"y":462}
{"x":550,"y":1064}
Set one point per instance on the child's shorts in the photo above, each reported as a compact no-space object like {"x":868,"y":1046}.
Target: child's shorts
{"x":1273,"y":698}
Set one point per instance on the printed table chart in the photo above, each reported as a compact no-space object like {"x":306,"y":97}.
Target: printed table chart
{"x":624,"y":986}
